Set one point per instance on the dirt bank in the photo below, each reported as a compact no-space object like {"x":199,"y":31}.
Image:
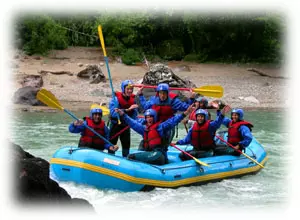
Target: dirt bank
{"x":269,"y":92}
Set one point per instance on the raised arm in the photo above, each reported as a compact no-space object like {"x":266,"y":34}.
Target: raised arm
{"x":146,"y":104}
{"x":178,"y":105}
{"x":172,"y":122}
{"x":135,"y":125}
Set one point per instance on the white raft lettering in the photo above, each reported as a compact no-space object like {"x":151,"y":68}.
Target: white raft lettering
{"x":114,"y":162}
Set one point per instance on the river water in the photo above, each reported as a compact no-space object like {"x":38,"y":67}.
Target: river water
{"x":41,"y":134}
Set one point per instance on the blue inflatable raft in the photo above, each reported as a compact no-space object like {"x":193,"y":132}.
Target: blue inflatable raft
{"x":106,"y":171}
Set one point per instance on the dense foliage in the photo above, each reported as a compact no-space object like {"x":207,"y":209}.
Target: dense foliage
{"x":165,"y":35}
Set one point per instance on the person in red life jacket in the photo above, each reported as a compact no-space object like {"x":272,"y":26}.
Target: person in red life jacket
{"x":201,"y":135}
{"x":239,"y":133}
{"x":88,"y":138}
{"x":200,"y":103}
{"x":126,"y":101}
{"x":165,"y":103}
{"x":153,"y":132}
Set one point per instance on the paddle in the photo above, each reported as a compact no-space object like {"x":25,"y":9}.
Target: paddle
{"x":230,"y":145}
{"x":120,"y":132}
{"x":105,"y":110}
{"x":107,"y":66}
{"x":194,"y":158}
{"x":49,"y":99}
{"x":215,"y":91}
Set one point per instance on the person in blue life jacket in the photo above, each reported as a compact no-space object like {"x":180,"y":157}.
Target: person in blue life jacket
{"x":154,"y":133}
{"x":124,"y":100}
{"x":88,"y":138}
{"x":201,"y":134}
{"x":239,"y":133}
{"x":165,"y":103}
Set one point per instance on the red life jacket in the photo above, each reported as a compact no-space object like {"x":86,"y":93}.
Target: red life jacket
{"x":124,"y":103}
{"x":152,"y":138}
{"x":164,"y":110}
{"x":89,"y":139}
{"x":201,"y":137}
{"x":234,"y":136}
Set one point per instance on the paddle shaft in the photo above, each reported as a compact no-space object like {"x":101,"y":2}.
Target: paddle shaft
{"x":195,"y":159}
{"x":108,"y":70}
{"x":230,"y":145}
{"x":88,"y":127}
{"x":124,"y":129}
{"x":119,"y":133}
{"x":154,"y":87}
{"x":170,"y":88}
{"x":187,"y":130}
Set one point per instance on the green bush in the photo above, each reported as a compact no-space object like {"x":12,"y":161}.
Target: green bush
{"x":131,"y":57}
{"x":191,"y":57}
{"x":228,"y":37}
{"x":40,"y":34}
{"x":170,"y":50}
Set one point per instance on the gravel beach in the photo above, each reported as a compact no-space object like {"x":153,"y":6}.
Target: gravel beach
{"x":263,"y":87}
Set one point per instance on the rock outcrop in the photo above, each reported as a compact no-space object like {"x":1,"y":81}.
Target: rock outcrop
{"x":161,"y":73}
{"x":27,"y":96}
{"x":93,"y":73}
{"x":33,"y":185}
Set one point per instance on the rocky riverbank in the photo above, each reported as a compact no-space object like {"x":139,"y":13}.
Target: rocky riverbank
{"x":248,"y":86}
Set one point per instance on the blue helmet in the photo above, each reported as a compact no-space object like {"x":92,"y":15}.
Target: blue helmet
{"x":125,"y":83}
{"x":95,"y":108}
{"x":151,"y":112}
{"x":240,"y":112}
{"x":203,"y":100}
{"x":162,"y":87}
{"x":202,"y":112}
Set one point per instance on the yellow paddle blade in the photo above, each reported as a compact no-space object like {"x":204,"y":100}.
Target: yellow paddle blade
{"x":200,"y":162}
{"x":101,"y":39}
{"x":49,"y":99}
{"x":105,"y":110}
{"x":210,"y":91}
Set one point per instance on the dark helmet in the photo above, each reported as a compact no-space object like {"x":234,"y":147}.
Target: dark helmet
{"x":151,"y":112}
{"x":202,"y":112}
{"x":203,"y":100}
{"x":125,"y":83}
{"x":239,"y":111}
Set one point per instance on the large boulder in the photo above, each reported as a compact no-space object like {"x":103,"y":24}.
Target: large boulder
{"x":93,"y":73}
{"x":32,"y":182}
{"x":27,"y":96}
{"x":161,"y":73}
